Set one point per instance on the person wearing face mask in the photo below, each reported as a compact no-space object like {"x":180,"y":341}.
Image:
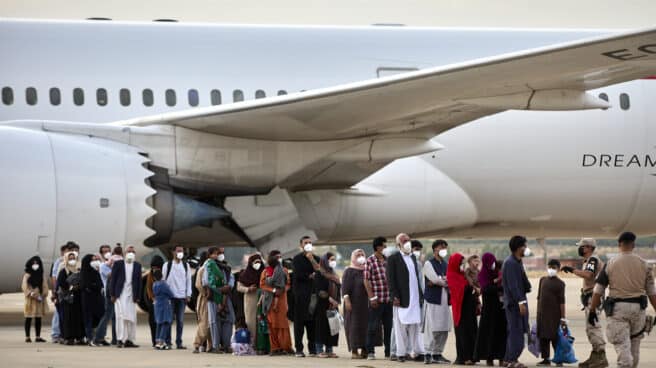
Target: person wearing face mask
{"x":105,"y":273}
{"x":248,"y":284}
{"x":589,"y":271}
{"x":491,"y":338}
{"x":380,"y":306}
{"x":407,"y":299}
{"x":515,"y":287}
{"x":125,"y":291}
{"x":212,"y":280}
{"x":551,"y":310}
{"x":56,"y":316}
{"x":274,"y":283}
{"x":328,"y":286}
{"x":463,"y":306}
{"x":356,"y":305}
{"x":305,"y":265}
{"x":68,"y":286}
{"x":202,"y":341}
{"x":93,"y":303}
{"x":177,"y":274}
{"x":35,"y":289}
{"x":146,"y":302}
{"x":437,"y":314}
{"x":220,"y":280}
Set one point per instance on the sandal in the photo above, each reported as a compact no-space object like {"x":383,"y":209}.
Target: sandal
{"x":332,"y":355}
{"x":324,"y":355}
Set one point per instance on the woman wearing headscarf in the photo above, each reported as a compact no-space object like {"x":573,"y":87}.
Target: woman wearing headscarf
{"x":35,"y":288}
{"x":248,"y":284}
{"x":146,"y":302}
{"x":93,"y":303}
{"x":491,"y":339}
{"x":202,"y":340}
{"x":327,"y":286}
{"x":68,"y":290}
{"x":463,"y":307}
{"x":274,"y":283}
{"x":356,"y":305}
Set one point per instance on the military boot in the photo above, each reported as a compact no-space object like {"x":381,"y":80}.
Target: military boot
{"x":598,"y":360}
{"x":586,"y":363}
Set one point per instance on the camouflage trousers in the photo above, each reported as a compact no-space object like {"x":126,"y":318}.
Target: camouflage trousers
{"x":627,"y":320}
{"x":595,"y":333}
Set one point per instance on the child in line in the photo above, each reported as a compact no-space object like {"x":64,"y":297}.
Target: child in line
{"x":241,"y":341}
{"x":471,"y":274}
{"x":163,"y":310}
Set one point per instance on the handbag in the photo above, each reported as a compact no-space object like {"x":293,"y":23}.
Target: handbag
{"x":334,"y":321}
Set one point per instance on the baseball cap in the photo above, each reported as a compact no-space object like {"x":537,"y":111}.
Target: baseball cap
{"x":587,"y":241}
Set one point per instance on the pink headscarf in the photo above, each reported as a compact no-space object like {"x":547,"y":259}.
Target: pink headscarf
{"x":354,"y":259}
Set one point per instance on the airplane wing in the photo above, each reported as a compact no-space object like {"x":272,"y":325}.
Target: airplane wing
{"x":430,"y":101}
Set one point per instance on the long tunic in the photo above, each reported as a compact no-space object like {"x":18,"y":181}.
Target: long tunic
{"x":34,"y":308}
{"x":355,"y":320}
{"x":492,"y":335}
{"x":437,"y":317}
{"x":250,"y":308}
{"x":412,"y":314}
{"x":551,"y":295}
{"x":322,"y":328}
{"x":467,"y":328}
{"x":125,"y":307}
{"x":202,"y":313}
{"x":279,"y":335}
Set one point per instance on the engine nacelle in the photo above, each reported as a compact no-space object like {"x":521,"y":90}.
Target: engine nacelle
{"x":59,"y":187}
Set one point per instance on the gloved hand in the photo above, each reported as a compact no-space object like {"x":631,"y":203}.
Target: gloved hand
{"x":592,"y":318}
{"x":567,"y":269}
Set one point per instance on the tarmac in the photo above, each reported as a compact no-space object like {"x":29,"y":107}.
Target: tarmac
{"x":14,"y":352}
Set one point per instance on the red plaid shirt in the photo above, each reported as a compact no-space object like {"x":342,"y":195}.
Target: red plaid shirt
{"x":374,"y":272}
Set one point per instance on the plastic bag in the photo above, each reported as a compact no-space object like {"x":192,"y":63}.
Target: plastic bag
{"x":334,"y":321}
{"x":533,"y":341}
{"x":564,"y":348}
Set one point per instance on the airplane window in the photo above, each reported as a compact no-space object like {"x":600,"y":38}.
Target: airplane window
{"x":147,"y":96}
{"x":170,"y":97}
{"x":237,"y":95}
{"x":282,"y":92}
{"x":215,"y":96}
{"x":101,"y":96}
{"x":260,"y":94}
{"x":193,"y":97}
{"x":78,"y":96}
{"x":603,"y":96}
{"x":7,"y":95}
{"x":624,"y":101}
{"x":124,"y":96}
{"x":55,"y":96}
{"x":30,"y":96}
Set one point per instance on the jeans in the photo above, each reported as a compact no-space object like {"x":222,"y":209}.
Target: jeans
{"x":377,"y":316}
{"x":179,"y":306}
{"x":101,"y":331}
{"x":56,"y":330}
{"x":319,"y":347}
{"x":163,"y":332}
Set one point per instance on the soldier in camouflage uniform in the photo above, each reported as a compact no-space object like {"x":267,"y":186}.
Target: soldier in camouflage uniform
{"x":631,"y":286}
{"x":592,"y":265}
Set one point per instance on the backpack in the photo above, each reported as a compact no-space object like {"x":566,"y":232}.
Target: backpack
{"x":169,"y":264}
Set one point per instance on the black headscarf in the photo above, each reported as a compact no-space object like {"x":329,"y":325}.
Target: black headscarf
{"x":36,"y":277}
{"x":251,"y":277}
{"x":89,"y":277}
{"x":157,"y":261}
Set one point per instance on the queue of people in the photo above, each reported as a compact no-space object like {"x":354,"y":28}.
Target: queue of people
{"x":390,"y":299}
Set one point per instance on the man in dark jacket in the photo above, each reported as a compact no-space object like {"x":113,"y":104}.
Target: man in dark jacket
{"x":125,"y":291}
{"x":407,"y":299}
{"x":305,"y":265}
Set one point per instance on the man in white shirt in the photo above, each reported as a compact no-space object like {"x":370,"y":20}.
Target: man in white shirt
{"x":178,"y":277}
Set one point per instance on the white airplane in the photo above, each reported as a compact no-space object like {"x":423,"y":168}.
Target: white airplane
{"x":163,"y":133}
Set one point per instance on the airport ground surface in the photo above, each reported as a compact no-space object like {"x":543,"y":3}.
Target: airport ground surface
{"x":14,"y":352}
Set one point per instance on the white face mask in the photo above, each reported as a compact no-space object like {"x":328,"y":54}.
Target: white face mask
{"x":361,"y":260}
{"x":442,"y":253}
{"x":407,"y":247}
{"x":129,"y":257}
{"x":308,"y":247}
{"x":95,"y":264}
{"x":221,"y":258}
{"x":256,"y":266}
{"x":551,"y":272}
{"x":417,"y":253}
{"x":107,"y":255}
{"x":332,"y":264}
{"x":527,"y":252}
{"x":35,"y":267}
{"x":179,"y":255}
{"x":72,"y":262}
